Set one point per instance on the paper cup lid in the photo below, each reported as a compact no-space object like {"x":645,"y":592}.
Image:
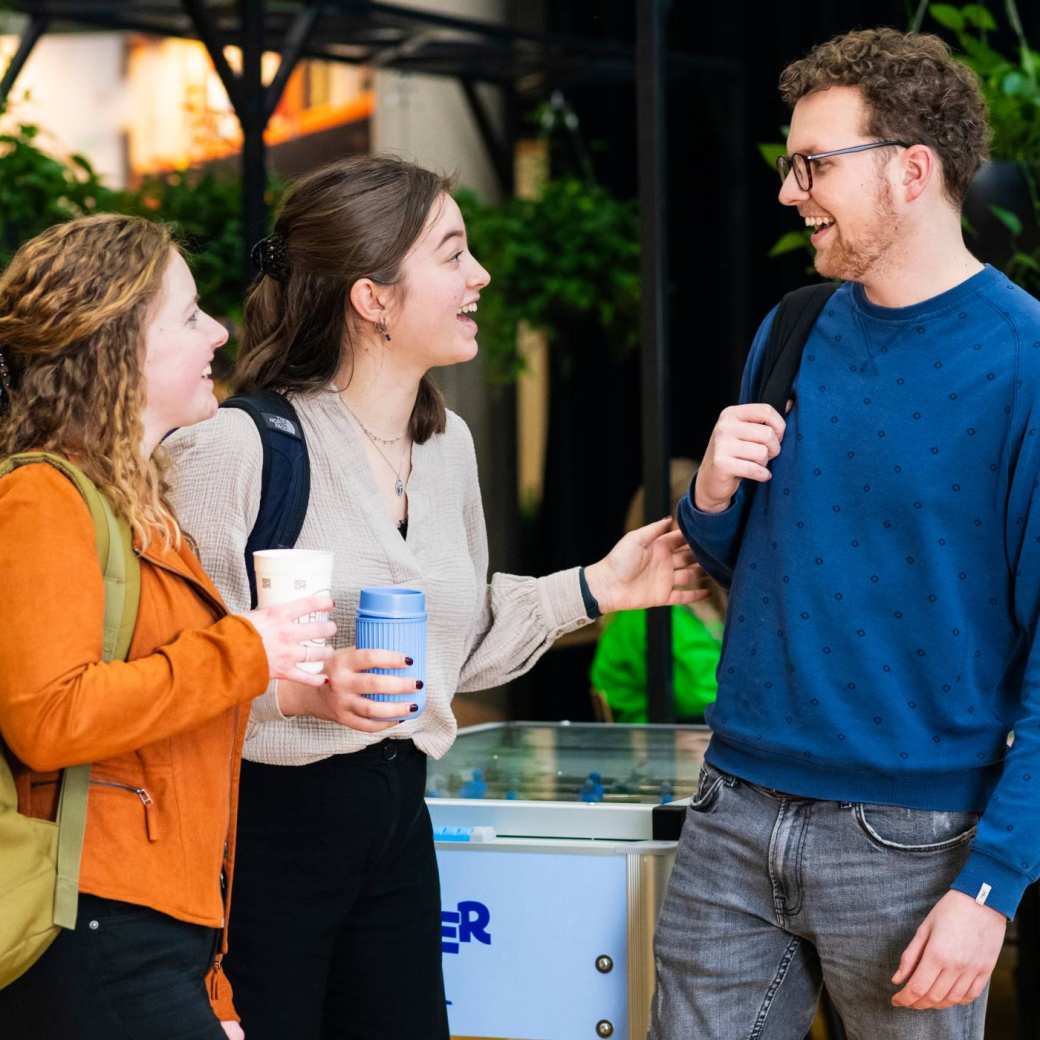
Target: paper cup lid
{"x":393,"y":602}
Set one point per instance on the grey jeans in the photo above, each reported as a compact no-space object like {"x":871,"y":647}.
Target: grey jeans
{"x":773,"y":895}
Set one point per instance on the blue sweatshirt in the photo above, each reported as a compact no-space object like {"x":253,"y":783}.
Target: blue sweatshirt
{"x":886,"y":581}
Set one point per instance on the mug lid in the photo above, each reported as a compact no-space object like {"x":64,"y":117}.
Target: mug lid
{"x":393,"y":601}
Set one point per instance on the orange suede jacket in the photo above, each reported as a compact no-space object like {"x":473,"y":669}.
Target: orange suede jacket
{"x":163,"y":729}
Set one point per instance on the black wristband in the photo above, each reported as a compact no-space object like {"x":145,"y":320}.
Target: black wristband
{"x":592,"y":610}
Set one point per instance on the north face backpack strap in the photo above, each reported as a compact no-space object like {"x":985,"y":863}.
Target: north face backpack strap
{"x":285,"y":478}
{"x":794,"y":320}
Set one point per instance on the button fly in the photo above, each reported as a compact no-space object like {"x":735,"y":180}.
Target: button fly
{"x":389,"y":750}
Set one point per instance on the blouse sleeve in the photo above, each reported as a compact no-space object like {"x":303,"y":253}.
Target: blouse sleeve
{"x":517,"y":618}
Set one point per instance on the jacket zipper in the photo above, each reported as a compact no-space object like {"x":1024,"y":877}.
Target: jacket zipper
{"x":222,"y":612}
{"x":151,"y":823}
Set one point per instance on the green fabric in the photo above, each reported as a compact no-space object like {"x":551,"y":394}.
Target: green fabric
{"x":39,"y":868}
{"x":619,"y":667}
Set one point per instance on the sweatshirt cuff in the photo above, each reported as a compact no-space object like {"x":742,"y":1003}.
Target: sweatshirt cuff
{"x":991,"y":883}
{"x":561,"y":600}
{"x":266,"y":707}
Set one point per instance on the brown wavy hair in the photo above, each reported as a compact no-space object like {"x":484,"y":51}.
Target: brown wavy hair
{"x":914,"y":90}
{"x":356,"y":218}
{"x":73,"y":304}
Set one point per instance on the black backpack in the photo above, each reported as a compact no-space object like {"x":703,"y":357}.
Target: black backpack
{"x":285,"y":479}
{"x":794,"y":320}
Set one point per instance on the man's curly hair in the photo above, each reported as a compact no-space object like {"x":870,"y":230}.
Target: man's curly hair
{"x":914,"y":91}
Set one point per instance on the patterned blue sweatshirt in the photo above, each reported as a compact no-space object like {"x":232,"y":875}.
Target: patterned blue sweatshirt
{"x":880,"y":644}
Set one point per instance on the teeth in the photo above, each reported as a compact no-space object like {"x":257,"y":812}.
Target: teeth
{"x":818,"y":221}
{"x":468,"y":308}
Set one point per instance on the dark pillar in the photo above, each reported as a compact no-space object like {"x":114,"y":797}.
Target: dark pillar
{"x":253,"y":118}
{"x":651,"y":86}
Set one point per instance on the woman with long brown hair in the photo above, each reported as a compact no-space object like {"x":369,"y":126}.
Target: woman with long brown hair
{"x":103,"y":350}
{"x":367,"y":284}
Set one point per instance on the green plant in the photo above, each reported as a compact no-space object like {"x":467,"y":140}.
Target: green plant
{"x":38,"y":189}
{"x":1011,"y":86}
{"x":205,"y":210}
{"x":571,"y":253}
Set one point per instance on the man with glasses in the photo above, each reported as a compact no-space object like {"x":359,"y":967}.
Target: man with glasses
{"x":865,"y":818}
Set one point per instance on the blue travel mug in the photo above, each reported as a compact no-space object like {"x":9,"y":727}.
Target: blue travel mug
{"x":394,"y":618}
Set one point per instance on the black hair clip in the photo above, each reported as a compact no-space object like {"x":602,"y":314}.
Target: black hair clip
{"x":271,"y":257}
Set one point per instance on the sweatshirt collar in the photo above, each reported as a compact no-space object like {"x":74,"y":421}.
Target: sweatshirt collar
{"x":982,"y":281}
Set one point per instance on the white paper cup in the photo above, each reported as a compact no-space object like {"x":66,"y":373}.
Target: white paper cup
{"x":284,"y":575}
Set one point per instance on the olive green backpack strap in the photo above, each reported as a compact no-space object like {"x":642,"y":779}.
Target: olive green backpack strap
{"x":122,"y":576}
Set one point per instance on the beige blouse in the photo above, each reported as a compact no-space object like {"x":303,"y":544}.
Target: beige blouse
{"x":479,"y":634}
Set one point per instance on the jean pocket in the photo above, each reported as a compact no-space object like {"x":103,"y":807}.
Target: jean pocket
{"x":709,"y":784}
{"x":920,"y":831}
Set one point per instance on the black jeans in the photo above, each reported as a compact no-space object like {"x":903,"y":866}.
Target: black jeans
{"x":335,"y":912}
{"x":125,"y":973}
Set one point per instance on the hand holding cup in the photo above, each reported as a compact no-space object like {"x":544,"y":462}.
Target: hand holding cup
{"x":291,"y":636}
{"x":348,"y":697}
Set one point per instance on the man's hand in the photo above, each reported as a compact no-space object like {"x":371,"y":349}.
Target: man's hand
{"x":745,"y":439}
{"x":951,"y":956}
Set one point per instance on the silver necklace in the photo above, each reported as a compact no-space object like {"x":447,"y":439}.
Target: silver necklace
{"x":399,"y":484}
{"x":372,"y":436}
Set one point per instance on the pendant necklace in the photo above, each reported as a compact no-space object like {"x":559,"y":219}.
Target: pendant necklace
{"x":399,"y":484}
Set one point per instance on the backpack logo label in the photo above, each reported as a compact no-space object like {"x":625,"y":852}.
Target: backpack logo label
{"x":281,"y":424}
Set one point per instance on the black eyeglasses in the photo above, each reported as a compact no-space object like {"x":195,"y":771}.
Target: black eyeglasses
{"x":801,"y":164}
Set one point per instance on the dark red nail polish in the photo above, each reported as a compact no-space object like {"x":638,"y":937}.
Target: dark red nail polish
{"x":414,"y":707}
{"x":408,"y":661}
{"x":328,"y":681}
{"x":418,"y":684}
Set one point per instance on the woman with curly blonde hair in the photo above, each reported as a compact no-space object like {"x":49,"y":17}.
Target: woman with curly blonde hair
{"x":104,"y":350}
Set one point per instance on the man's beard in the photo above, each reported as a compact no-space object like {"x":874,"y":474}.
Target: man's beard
{"x":851,"y":261}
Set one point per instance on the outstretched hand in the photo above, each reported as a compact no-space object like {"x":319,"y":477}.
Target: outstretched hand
{"x":651,"y":566}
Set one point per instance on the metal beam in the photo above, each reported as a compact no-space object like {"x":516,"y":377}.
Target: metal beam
{"x":651,"y":87}
{"x":210,"y":35}
{"x":33,"y":31}
{"x":497,"y":151}
{"x":296,"y":40}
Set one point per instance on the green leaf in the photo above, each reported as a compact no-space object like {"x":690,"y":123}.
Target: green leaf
{"x":1010,"y":220}
{"x":979,"y":16}
{"x":947,"y":15}
{"x":771,"y":152}
{"x":789,"y":243}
